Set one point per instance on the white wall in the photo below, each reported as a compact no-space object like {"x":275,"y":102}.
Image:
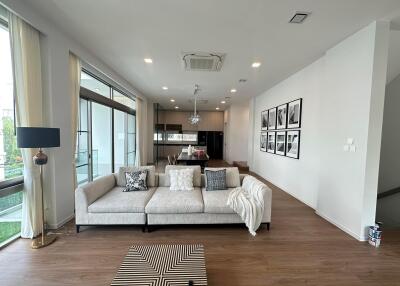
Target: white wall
{"x":236,"y":132}
{"x":55,"y":47}
{"x":389,"y":172}
{"x":150,"y":132}
{"x":293,"y":176}
{"x":352,"y":102}
{"x":388,"y":212}
{"x":343,"y":95}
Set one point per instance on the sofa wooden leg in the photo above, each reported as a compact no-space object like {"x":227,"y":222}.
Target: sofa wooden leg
{"x":150,"y":228}
{"x":144,"y":228}
{"x":268,"y":224}
{"x":77,"y":228}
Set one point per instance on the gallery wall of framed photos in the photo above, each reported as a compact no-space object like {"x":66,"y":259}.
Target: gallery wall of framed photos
{"x":281,"y":128}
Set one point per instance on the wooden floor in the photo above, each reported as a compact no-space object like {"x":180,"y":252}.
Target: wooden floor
{"x":300,"y":249}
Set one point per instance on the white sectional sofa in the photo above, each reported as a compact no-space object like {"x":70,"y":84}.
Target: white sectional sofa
{"x":102,"y":202}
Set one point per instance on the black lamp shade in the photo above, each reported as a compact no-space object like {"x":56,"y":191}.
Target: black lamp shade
{"x":38,"y":137}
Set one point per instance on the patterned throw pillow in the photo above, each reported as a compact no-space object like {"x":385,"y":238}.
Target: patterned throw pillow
{"x":181,"y":180}
{"x":215,"y":180}
{"x":136,"y":181}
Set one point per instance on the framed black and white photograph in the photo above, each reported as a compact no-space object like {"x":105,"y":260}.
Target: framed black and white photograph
{"x":263,"y":141}
{"x":272,"y":119}
{"x":294,"y":114}
{"x":271,"y":142}
{"x":264,"y":120}
{"x":280,"y":143}
{"x":293,"y":144}
{"x":281,"y":116}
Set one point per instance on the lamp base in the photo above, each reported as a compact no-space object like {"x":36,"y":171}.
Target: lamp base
{"x":48,"y":239}
{"x":40,"y":158}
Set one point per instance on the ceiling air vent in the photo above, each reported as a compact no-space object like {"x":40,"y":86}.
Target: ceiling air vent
{"x":299,"y":17}
{"x":200,"y":61}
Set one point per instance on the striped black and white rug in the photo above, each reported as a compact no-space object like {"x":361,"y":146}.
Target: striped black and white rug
{"x":163,"y":264}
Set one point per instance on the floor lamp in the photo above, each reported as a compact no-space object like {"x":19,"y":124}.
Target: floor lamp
{"x":39,"y":137}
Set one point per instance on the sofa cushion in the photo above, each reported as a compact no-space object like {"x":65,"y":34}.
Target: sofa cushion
{"x":232,"y":176}
{"x":181,"y":180}
{"x":216,"y":180}
{"x":215,"y":202}
{"x":166,"y":201}
{"x":136,"y":181}
{"x":151,"y":175}
{"x":117,"y":201}
{"x":196,"y":174}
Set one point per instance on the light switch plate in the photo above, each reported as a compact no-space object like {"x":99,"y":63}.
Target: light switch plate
{"x":346,"y":148}
{"x":350,"y":141}
{"x":353,"y":148}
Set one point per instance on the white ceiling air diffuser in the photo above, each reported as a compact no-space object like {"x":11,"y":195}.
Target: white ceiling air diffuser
{"x":200,"y":61}
{"x":299,"y":17}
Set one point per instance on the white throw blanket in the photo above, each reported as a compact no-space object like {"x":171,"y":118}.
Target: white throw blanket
{"x":248,"y":202}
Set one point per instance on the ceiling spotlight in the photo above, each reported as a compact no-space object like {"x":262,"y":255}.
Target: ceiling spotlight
{"x":176,"y":107}
{"x":148,"y":61}
{"x":165,"y":87}
{"x":233,"y":90}
{"x":223,"y":102}
{"x":217,"y":108}
{"x":172,"y":100}
{"x":256,"y":64}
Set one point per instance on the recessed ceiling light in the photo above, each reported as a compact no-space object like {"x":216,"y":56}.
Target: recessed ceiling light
{"x":165,"y":87}
{"x":176,"y":107}
{"x":233,"y":90}
{"x":172,"y":100}
{"x":242,"y":80}
{"x":217,"y":108}
{"x":256,"y":64}
{"x":223,"y":102}
{"x":148,"y":61}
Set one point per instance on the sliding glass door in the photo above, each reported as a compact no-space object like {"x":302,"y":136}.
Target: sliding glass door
{"x":101,"y":140}
{"x":131,"y":151}
{"x":120,"y":139}
{"x":82,"y":144}
{"x":106,"y":138}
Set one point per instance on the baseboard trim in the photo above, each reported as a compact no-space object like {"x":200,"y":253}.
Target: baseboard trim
{"x":338,"y":225}
{"x":342,"y":227}
{"x":61,"y":223}
{"x":289,"y":193}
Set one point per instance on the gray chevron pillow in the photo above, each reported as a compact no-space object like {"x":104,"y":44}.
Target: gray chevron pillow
{"x":136,"y":181}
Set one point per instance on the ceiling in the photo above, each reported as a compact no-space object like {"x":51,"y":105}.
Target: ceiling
{"x":123,"y":32}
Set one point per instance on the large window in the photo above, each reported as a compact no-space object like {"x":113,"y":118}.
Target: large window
{"x":11,"y":165}
{"x":106,"y":137}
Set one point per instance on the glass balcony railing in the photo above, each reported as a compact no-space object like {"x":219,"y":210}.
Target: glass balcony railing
{"x":10,"y":216}
{"x":82,"y":165}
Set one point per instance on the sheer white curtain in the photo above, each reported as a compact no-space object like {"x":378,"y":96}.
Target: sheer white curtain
{"x":141,"y":133}
{"x":25,"y":49}
{"x":74,"y":86}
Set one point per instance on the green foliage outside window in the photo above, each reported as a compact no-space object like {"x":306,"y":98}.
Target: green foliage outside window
{"x":13,"y":161}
